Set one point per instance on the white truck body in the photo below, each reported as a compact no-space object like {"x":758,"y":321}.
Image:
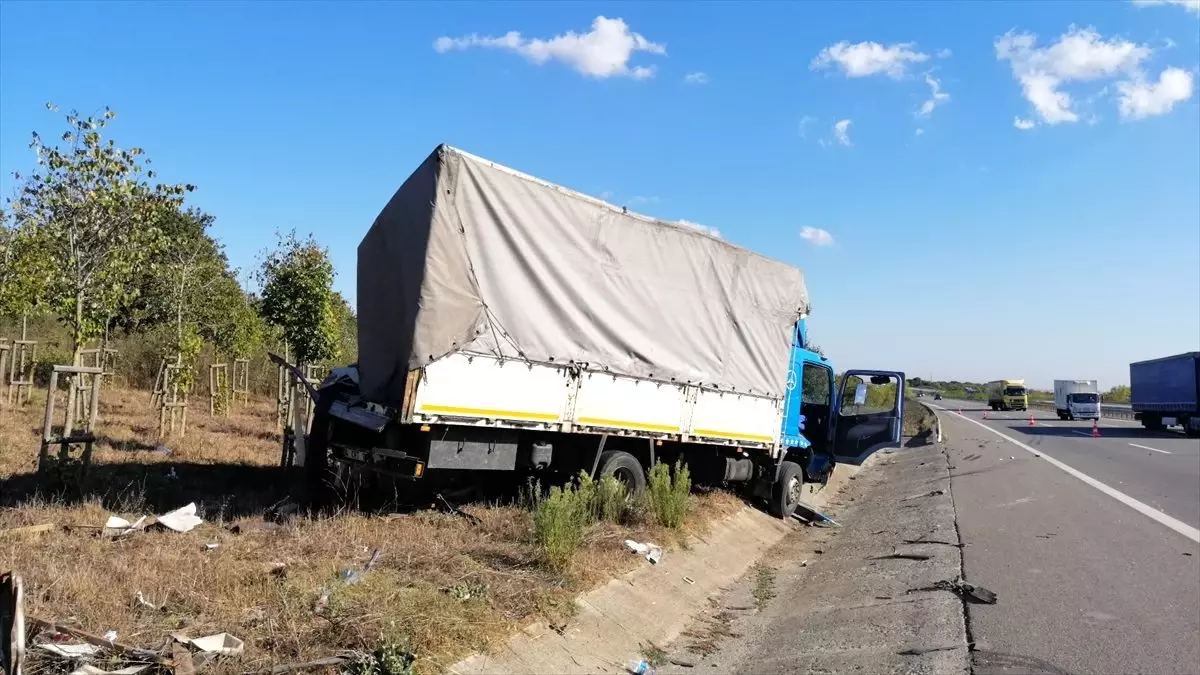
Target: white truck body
{"x":482,"y":390}
{"x":1077,"y":399}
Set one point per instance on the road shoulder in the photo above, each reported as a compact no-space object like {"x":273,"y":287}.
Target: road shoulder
{"x":846,"y":599}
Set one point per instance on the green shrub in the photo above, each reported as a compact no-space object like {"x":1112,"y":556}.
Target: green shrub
{"x":611,"y":500}
{"x":558,"y":522}
{"x":669,"y":498}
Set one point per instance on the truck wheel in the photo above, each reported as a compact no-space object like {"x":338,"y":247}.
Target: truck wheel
{"x":1153,"y":422}
{"x":785,"y":494}
{"x":625,"y":468}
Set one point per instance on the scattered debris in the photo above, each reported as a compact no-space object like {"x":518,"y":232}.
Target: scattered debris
{"x":221,"y":643}
{"x":89,"y":669}
{"x":120,"y":527}
{"x":347,"y":577}
{"x":560,"y":628}
{"x":28,"y":529}
{"x":931,"y":493}
{"x":918,"y":651}
{"x":968,"y":592}
{"x":142,"y":601}
{"x":144,"y":655}
{"x":818,"y":551}
{"x":682,"y":663}
{"x":78,"y":651}
{"x":653,"y":552}
{"x":454,"y":510}
{"x":821,"y":520}
{"x":895,"y":555}
{"x":932,"y":541}
{"x":211,"y":547}
{"x":689,"y":580}
{"x":804,"y":563}
{"x":111,"y":636}
{"x":182,"y":519}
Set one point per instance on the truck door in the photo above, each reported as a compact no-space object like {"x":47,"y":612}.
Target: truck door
{"x":868,"y":414}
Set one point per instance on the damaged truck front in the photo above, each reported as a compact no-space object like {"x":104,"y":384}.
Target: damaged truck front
{"x":509,"y":324}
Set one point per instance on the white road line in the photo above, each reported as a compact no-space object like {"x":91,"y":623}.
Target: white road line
{"x":1149,"y":448}
{"x":1148,"y":511}
{"x":1081,"y":433}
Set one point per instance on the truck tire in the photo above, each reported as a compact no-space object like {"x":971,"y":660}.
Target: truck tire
{"x":1153,"y":422}
{"x":785,"y":494}
{"x":625,"y":468}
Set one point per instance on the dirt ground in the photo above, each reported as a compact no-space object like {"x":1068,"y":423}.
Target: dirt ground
{"x":444,"y":585}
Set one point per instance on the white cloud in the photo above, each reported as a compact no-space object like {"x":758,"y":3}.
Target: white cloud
{"x":841,"y":132}
{"x":869,"y":58}
{"x":602,"y":52}
{"x":936,"y":96}
{"x":1083,"y":55}
{"x":711,"y":231}
{"x":920,"y":132}
{"x":1023,"y":125}
{"x":945,"y":53}
{"x":1139,"y":99}
{"x":637,"y":200}
{"x":816,"y":236}
{"x":804,"y":122}
{"x":696,"y":78}
{"x":1190,"y":5}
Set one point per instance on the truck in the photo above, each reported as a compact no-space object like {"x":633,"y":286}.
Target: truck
{"x":1007,"y":395}
{"x":1077,"y":399}
{"x":1166,"y":392}
{"x":507,"y":324}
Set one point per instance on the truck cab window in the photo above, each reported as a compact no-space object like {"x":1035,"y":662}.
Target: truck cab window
{"x":863,"y":397}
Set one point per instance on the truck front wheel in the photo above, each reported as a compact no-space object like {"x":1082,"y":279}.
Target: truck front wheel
{"x":625,"y":468}
{"x":788,"y":488}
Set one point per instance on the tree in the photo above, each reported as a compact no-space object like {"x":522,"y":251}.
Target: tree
{"x":298,"y":297}
{"x":94,"y":216}
{"x":1118,"y":394}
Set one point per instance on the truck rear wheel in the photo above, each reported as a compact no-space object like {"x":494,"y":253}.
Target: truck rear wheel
{"x":625,"y":468}
{"x":789,"y":486}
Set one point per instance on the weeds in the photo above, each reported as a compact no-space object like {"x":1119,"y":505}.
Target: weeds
{"x":654,"y":655}
{"x":764,"y":585}
{"x":669,"y":498}
{"x":558,"y":523}
{"x":388,"y":659}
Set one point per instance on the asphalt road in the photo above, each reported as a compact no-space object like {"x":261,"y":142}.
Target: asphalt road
{"x":1091,"y":543}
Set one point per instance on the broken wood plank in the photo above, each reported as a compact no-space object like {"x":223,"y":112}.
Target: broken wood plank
{"x":146,"y":654}
{"x":28,"y":529}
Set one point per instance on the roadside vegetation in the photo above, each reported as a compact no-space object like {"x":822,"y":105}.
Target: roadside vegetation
{"x":98,"y":252}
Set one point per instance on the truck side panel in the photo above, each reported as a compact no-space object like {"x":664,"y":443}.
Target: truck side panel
{"x":1166,"y":385}
{"x":480,"y":390}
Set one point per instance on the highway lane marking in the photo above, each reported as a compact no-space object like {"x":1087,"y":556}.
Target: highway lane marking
{"x":1083,"y":433}
{"x":1149,"y":448}
{"x":1144,"y":509}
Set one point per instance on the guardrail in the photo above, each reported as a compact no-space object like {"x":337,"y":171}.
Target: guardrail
{"x":1114,"y":411}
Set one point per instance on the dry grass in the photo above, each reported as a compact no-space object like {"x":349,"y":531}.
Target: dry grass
{"x":444,"y":585}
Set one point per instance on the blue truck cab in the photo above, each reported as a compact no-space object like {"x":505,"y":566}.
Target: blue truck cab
{"x":825,"y":422}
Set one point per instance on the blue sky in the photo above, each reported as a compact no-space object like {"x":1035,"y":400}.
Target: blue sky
{"x":952,"y":244}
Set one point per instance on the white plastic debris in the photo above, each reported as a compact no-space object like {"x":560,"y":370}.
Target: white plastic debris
{"x":89,"y":669}
{"x":119,"y":526}
{"x":182,"y":519}
{"x":212,"y":547}
{"x":654,"y":555}
{"x":221,"y":643}
{"x":141,"y":600}
{"x":111,"y":636}
{"x":70,"y":651}
{"x":635,"y":547}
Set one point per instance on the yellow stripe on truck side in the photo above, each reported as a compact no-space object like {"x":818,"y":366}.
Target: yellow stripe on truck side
{"x":622,"y":424}
{"x":713,"y":433}
{"x":487,"y":412}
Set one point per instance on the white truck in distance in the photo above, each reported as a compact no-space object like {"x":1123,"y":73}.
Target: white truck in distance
{"x":1077,"y":399}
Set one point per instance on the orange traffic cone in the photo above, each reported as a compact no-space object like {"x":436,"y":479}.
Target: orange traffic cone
{"x":1095,"y":429}
{"x":1031,"y":422}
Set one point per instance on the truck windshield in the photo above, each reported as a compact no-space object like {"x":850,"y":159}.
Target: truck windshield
{"x":1084,"y":398}
{"x":1014,"y":391}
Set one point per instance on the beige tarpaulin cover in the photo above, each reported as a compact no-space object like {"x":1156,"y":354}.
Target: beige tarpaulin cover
{"x":471,"y":256}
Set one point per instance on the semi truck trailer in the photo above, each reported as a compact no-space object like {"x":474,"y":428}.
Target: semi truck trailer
{"x":1166,"y":392}
{"x":1077,"y":399}
{"x":1007,"y":395}
{"x":509,"y":324}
